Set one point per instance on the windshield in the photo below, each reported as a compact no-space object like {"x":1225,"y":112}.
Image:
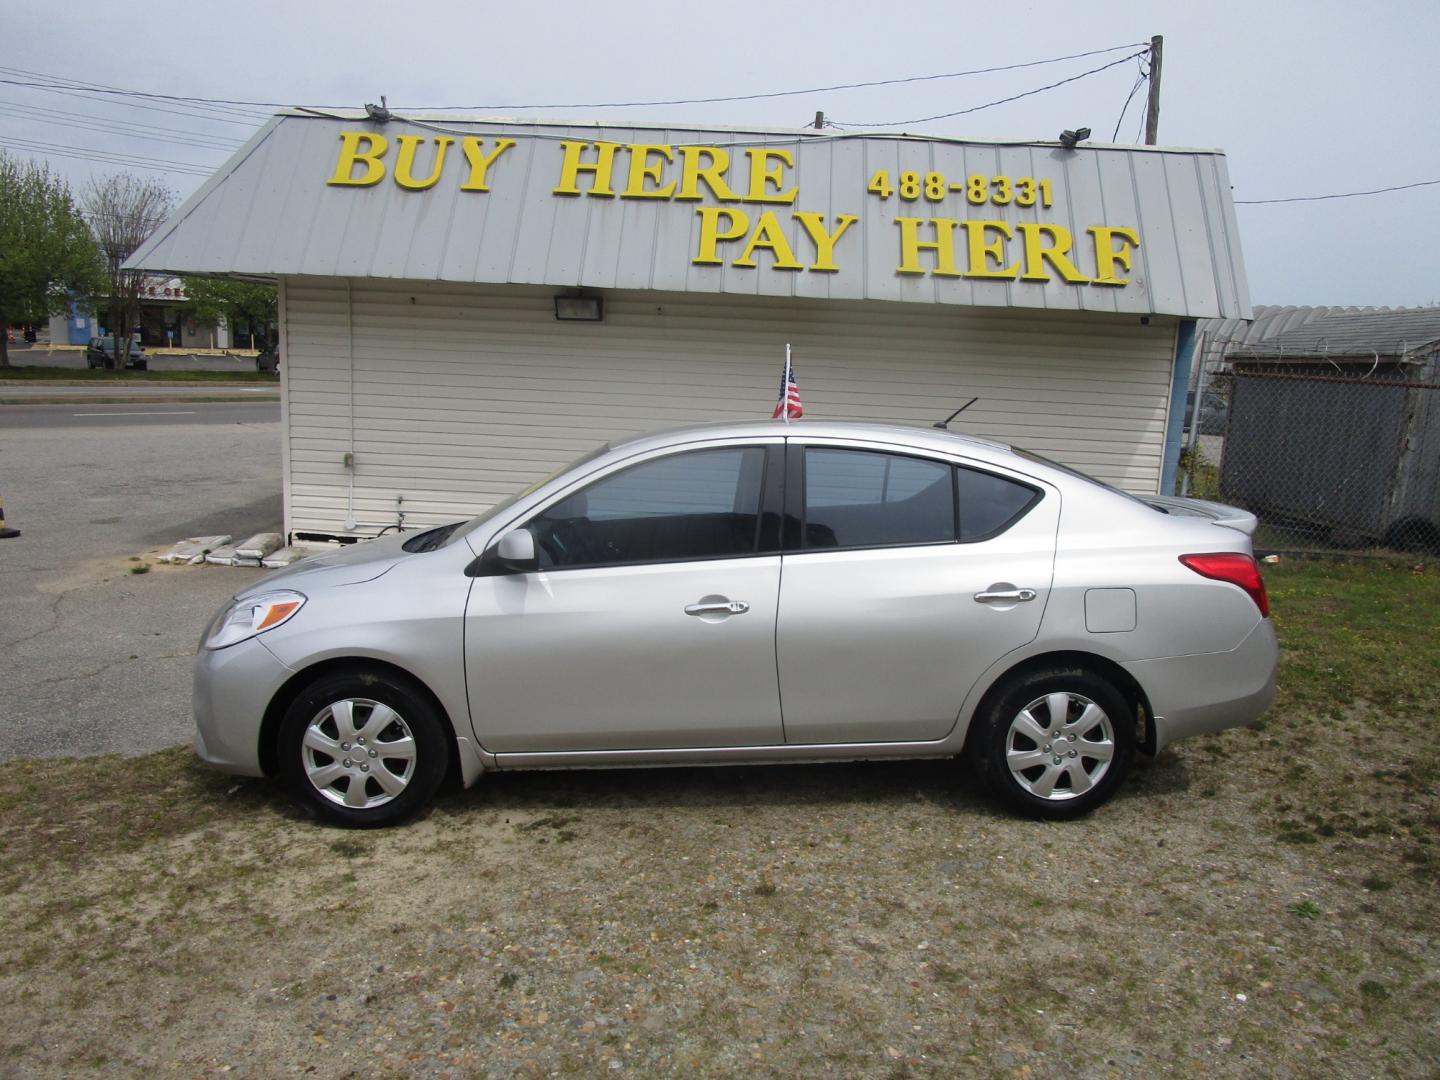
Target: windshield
{"x":467,"y":527}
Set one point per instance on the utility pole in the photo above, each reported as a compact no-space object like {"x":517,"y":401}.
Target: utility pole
{"x":819,"y":121}
{"x":1152,"y":111}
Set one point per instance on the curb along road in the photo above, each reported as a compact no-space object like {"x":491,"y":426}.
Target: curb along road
{"x":63,"y":393}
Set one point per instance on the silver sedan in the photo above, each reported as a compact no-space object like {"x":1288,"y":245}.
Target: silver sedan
{"x":752,"y":593}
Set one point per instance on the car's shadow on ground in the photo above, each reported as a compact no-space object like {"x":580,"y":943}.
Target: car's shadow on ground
{"x":731,"y":786}
{"x":1165,"y":774}
{"x":946,"y":783}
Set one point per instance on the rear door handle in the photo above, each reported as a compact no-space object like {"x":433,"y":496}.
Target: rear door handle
{"x":717,"y":607}
{"x":1005,"y":595}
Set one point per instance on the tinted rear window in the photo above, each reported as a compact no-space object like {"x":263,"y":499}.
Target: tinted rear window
{"x":990,"y":504}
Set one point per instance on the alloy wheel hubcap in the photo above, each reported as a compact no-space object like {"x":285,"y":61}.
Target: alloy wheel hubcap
{"x":358,"y":753}
{"x":1060,"y":746}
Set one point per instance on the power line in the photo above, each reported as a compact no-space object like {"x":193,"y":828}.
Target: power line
{"x":119,"y":153}
{"x":125,"y":125}
{"x":102,"y":127}
{"x":207,"y":105}
{"x":134,"y":104}
{"x":1001,"y":101}
{"x":783,"y":93}
{"x":57,"y":82}
{"x":1339,"y":195}
{"x":1139,"y":81}
{"x":130,"y":161}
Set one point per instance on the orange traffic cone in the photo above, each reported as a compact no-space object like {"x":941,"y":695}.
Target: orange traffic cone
{"x":5,"y":533}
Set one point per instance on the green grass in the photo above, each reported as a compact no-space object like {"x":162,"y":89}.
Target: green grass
{"x":101,"y":375}
{"x":1353,"y":633}
{"x":1204,"y":474}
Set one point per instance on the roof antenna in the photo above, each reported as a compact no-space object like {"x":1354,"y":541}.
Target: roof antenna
{"x":944,"y":425}
{"x":379,"y":113}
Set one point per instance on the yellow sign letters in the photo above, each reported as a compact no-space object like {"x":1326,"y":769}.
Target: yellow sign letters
{"x":727,"y":180}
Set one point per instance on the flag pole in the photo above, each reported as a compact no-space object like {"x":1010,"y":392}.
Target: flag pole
{"x":785,"y":386}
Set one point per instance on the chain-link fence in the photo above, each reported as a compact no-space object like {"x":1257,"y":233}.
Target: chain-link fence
{"x":1327,"y":462}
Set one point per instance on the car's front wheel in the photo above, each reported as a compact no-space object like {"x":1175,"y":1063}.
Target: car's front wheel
{"x":363,"y":749}
{"x":1054,"y":743}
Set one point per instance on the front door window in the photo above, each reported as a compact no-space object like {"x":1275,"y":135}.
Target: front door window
{"x":699,"y":505}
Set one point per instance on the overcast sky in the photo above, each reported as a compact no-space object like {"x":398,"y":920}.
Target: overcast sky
{"x":1306,"y":98}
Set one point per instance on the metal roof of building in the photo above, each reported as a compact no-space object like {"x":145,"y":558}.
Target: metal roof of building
{"x":278,"y":208}
{"x":1395,"y":334}
{"x":1310,"y":326}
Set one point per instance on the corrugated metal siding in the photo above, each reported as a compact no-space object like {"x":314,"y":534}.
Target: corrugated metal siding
{"x":459,"y":395}
{"x":270,"y":212}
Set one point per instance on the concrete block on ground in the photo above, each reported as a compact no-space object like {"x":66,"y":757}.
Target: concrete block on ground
{"x":244,"y":560}
{"x":259,"y":545}
{"x":193,"y":549}
{"x":222,"y":556}
{"x":284,"y":557}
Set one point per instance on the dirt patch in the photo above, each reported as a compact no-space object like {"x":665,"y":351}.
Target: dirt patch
{"x":835,"y":920}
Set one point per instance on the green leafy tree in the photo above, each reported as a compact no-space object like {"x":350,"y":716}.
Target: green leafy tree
{"x":216,"y":299}
{"x":123,"y":210}
{"x":46,"y":252}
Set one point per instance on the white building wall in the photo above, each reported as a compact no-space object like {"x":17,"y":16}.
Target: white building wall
{"x":451,"y":397}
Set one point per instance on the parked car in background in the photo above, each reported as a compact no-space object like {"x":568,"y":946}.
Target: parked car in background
{"x":268,"y":359}
{"x":752,"y":593}
{"x":100,"y":353}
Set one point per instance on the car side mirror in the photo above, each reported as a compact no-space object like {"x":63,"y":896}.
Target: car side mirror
{"x":516,"y":551}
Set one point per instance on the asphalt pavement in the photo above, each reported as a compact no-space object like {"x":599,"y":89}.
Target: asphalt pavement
{"x":97,"y":659}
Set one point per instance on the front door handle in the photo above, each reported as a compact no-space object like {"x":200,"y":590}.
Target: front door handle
{"x":717,"y":607}
{"x":1005,"y":593}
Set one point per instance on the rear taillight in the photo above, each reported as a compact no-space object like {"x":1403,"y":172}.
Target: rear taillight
{"x":1237,"y":569}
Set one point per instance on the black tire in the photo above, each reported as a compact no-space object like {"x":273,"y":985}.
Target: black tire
{"x":320,"y":707}
{"x":1000,"y":730}
{"x":142,"y":366}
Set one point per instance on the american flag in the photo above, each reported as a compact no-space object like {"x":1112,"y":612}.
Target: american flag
{"x":788,"y":406}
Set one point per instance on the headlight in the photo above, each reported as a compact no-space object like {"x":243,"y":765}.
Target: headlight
{"x":246,"y":618}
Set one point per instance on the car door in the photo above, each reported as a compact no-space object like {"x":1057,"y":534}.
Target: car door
{"x":650,"y":623}
{"x":904,"y":578}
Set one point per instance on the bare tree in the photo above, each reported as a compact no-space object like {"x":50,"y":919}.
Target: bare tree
{"x":123,"y":210}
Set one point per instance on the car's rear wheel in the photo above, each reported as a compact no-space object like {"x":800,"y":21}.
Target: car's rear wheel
{"x":1054,"y":743}
{"x":363,"y":749}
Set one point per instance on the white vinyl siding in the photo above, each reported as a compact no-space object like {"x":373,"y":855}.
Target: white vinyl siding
{"x":454,"y":396}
